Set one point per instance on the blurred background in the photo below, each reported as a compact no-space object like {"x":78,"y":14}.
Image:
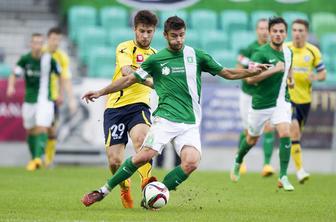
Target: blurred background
{"x":92,"y":30}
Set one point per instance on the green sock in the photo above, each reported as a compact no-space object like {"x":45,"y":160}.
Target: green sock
{"x":31,"y":144}
{"x":174,"y":178}
{"x":125,"y":171}
{"x":243,"y":150}
{"x":284,"y":155}
{"x":268,"y":147}
{"x":242,"y":136}
{"x":40,"y":143}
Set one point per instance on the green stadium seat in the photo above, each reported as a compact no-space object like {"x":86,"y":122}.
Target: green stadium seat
{"x":323,"y":22}
{"x":233,"y":20}
{"x":328,"y":45}
{"x":193,"y":38}
{"x":101,"y":62}
{"x":166,"y":14}
{"x":256,"y":15}
{"x":113,"y":18}
{"x":80,"y":17}
{"x":214,"y":40}
{"x":241,"y":39}
{"x":159,"y":42}
{"x":115,"y":37}
{"x":226,"y":58}
{"x":89,"y":38}
{"x":5,"y":70}
{"x":203,"y":20}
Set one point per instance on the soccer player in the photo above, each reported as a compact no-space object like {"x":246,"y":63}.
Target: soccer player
{"x":176,"y":72}
{"x":53,"y":42}
{"x":270,"y":100}
{"x":245,"y":99}
{"x":38,"y":109}
{"x":306,"y":58}
{"x":127,"y":110}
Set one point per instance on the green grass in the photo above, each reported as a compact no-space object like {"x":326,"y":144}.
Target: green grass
{"x":53,"y":195}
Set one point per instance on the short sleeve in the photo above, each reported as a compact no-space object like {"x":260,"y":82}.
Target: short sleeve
{"x":209,"y":64}
{"x":20,"y":65}
{"x":258,"y":57}
{"x":65,"y":68}
{"x":124,"y":56}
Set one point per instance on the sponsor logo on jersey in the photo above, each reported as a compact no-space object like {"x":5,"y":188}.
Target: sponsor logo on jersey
{"x":165,"y":71}
{"x":190,"y":59}
{"x":306,"y":58}
{"x":140,"y":58}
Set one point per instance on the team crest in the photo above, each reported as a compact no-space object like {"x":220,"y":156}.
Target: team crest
{"x":139,"y":58}
{"x":165,"y":71}
{"x":190,"y":59}
{"x":306,"y":58}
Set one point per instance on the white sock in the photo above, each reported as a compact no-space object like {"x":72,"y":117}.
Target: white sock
{"x":104,"y":189}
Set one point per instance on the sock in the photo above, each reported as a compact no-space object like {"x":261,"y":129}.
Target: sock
{"x":40,"y":143}
{"x":125,"y":171}
{"x":268,"y":147}
{"x":31,"y":144}
{"x":124,"y":184}
{"x":243,"y":150}
{"x":242,"y":136}
{"x":284,"y":155}
{"x":50,"y":150}
{"x":145,"y":171}
{"x":174,"y":178}
{"x":296,"y":154}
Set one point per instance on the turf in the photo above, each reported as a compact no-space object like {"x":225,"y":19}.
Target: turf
{"x":53,"y":195}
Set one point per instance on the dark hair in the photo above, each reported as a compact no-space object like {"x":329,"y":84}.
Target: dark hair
{"x":145,"y":17}
{"x":36,"y":34}
{"x":174,"y":23}
{"x":276,"y":20}
{"x":302,"y":22}
{"x":55,"y":30}
{"x":261,"y":20}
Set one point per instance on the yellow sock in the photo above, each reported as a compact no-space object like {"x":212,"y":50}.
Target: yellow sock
{"x":145,"y":171}
{"x":296,"y":155}
{"x":50,"y":151}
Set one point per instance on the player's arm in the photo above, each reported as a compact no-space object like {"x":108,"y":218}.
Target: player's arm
{"x":67,"y":84}
{"x":228,"y":73}
{"x":56,"y":68}
{"x":129,"y":70}
{"x":279,"y":67}
{"x":319,"y":76}
{"x":18,"y":71}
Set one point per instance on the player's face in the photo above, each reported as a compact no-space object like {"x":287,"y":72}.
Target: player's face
{"x":175,"y":38}
{"x":144,"y":34}
{"x":262,"y":31}
{"x":54,"y":40}
{"x":37,"y":44}
{"x":278,"y":34}
{"x":299,"y":33}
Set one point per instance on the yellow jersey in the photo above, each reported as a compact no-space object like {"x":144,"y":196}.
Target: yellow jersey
{"x":305,"y":60}
{"x":62,"y":60}
{"x":128,"y":53}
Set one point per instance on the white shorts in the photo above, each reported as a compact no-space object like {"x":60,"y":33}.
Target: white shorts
{"x":164,"y":131}
{"x":245,"y":103}
{"x":37,"y":114}
{"x":257,"y":117}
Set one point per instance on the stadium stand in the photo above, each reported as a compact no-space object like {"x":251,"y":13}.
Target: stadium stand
{"x":203,"y":20}
{"x":323,"y":23}
{"x":166,"y":14}
{"x":113,"y":18}
{"x":233,"y":20}
{"x":101,"y":62}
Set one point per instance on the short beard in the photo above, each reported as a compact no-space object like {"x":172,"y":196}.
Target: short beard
{"x":277,"y":44}
{"x":174,"y":47}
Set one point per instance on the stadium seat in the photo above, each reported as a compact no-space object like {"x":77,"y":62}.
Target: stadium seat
{"x":81,"y":17}
{"x":328,"y":45}
{"x":193,"y":38}
{"x":89,"y":38}
{"x":226,"y":58}
{"x":101,"y":62}
{"x":233,"y":20}
{"x":5,"y":70}
{"x":158,"y":42}
{"x":241,"y":39}
{"x":256,"y":15}
{"x":323,"y":22}
{"x":214,"y":40}
{"x":166,"y":14}
{"x":115,"y":37}
{"x":203,"y":20}
{"x":113,"y":18}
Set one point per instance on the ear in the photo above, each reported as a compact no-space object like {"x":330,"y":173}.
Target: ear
{"x":165,"y":34}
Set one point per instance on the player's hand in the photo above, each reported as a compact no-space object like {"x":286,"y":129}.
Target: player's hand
{"x":10,"y":91}
{"x":257,"y":68}
{"x":312,"y":77}
{"x":280,"y":66}
{"x":91,"y":96}
{"x":59,"y":100}
{"x":290,"y":82}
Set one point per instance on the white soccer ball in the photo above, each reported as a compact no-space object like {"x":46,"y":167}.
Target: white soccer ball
{"x":156,"y":195}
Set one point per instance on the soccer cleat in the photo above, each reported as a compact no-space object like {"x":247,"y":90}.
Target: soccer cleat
{"x":147,"y":181}
{"x":126,"y":198}
{"x":34,"y":164}
{"x":302,"y":176}
{"x":285,"y":184}
{"x":267,"y":171}
{"x":92,"y":197}
{"x":49,"y":156}
{"x":243,"y":168}
{"x":234,"y":175}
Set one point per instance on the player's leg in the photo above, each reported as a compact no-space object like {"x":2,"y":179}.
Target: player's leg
{"x":268,"y":144}
{"x":50,"y":148}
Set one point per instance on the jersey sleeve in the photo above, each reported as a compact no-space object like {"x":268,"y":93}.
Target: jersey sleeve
{"x":65,"y":67}
{"x":124,"y":56}
{"x":318,"y":62}
{"x":19,"y":68}
{"x":55,"y":67}
{"x":258,"y":57}
{"x":209,"y":64}
{"x":145,"y":70}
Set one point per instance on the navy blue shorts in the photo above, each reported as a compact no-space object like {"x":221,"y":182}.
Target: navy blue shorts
{"x":119,"y":121}
{"x":300,"y":113}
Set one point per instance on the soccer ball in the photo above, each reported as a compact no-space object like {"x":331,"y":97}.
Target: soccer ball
{"x":155,"y":195}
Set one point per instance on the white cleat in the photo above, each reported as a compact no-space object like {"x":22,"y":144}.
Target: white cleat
{"x":302,"y":176}
{"x":285,"y":184}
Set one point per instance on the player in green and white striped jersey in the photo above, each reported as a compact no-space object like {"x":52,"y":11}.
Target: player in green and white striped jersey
{"x":270,"y":100}
{"x":176,"y":72}
{"x":38,"y":110}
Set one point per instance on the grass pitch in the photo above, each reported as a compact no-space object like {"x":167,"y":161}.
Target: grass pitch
{"x":54,"y":195}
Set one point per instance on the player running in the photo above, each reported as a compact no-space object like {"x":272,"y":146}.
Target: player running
{"x":270,"y":100}
{"x":176,"y":72}
{"x":38,"y":109}
{"x":306,"y":58}
{"x":245,"y":99}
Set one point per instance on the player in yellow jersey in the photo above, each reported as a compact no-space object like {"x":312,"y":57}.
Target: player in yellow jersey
{"x":306,"y":58}
{"x":127,"y":111}
{"x":52,"y":46}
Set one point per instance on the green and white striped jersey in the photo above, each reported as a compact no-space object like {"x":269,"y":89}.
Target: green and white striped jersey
{"x":37,"y":73}
{"x":177,"y":81}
